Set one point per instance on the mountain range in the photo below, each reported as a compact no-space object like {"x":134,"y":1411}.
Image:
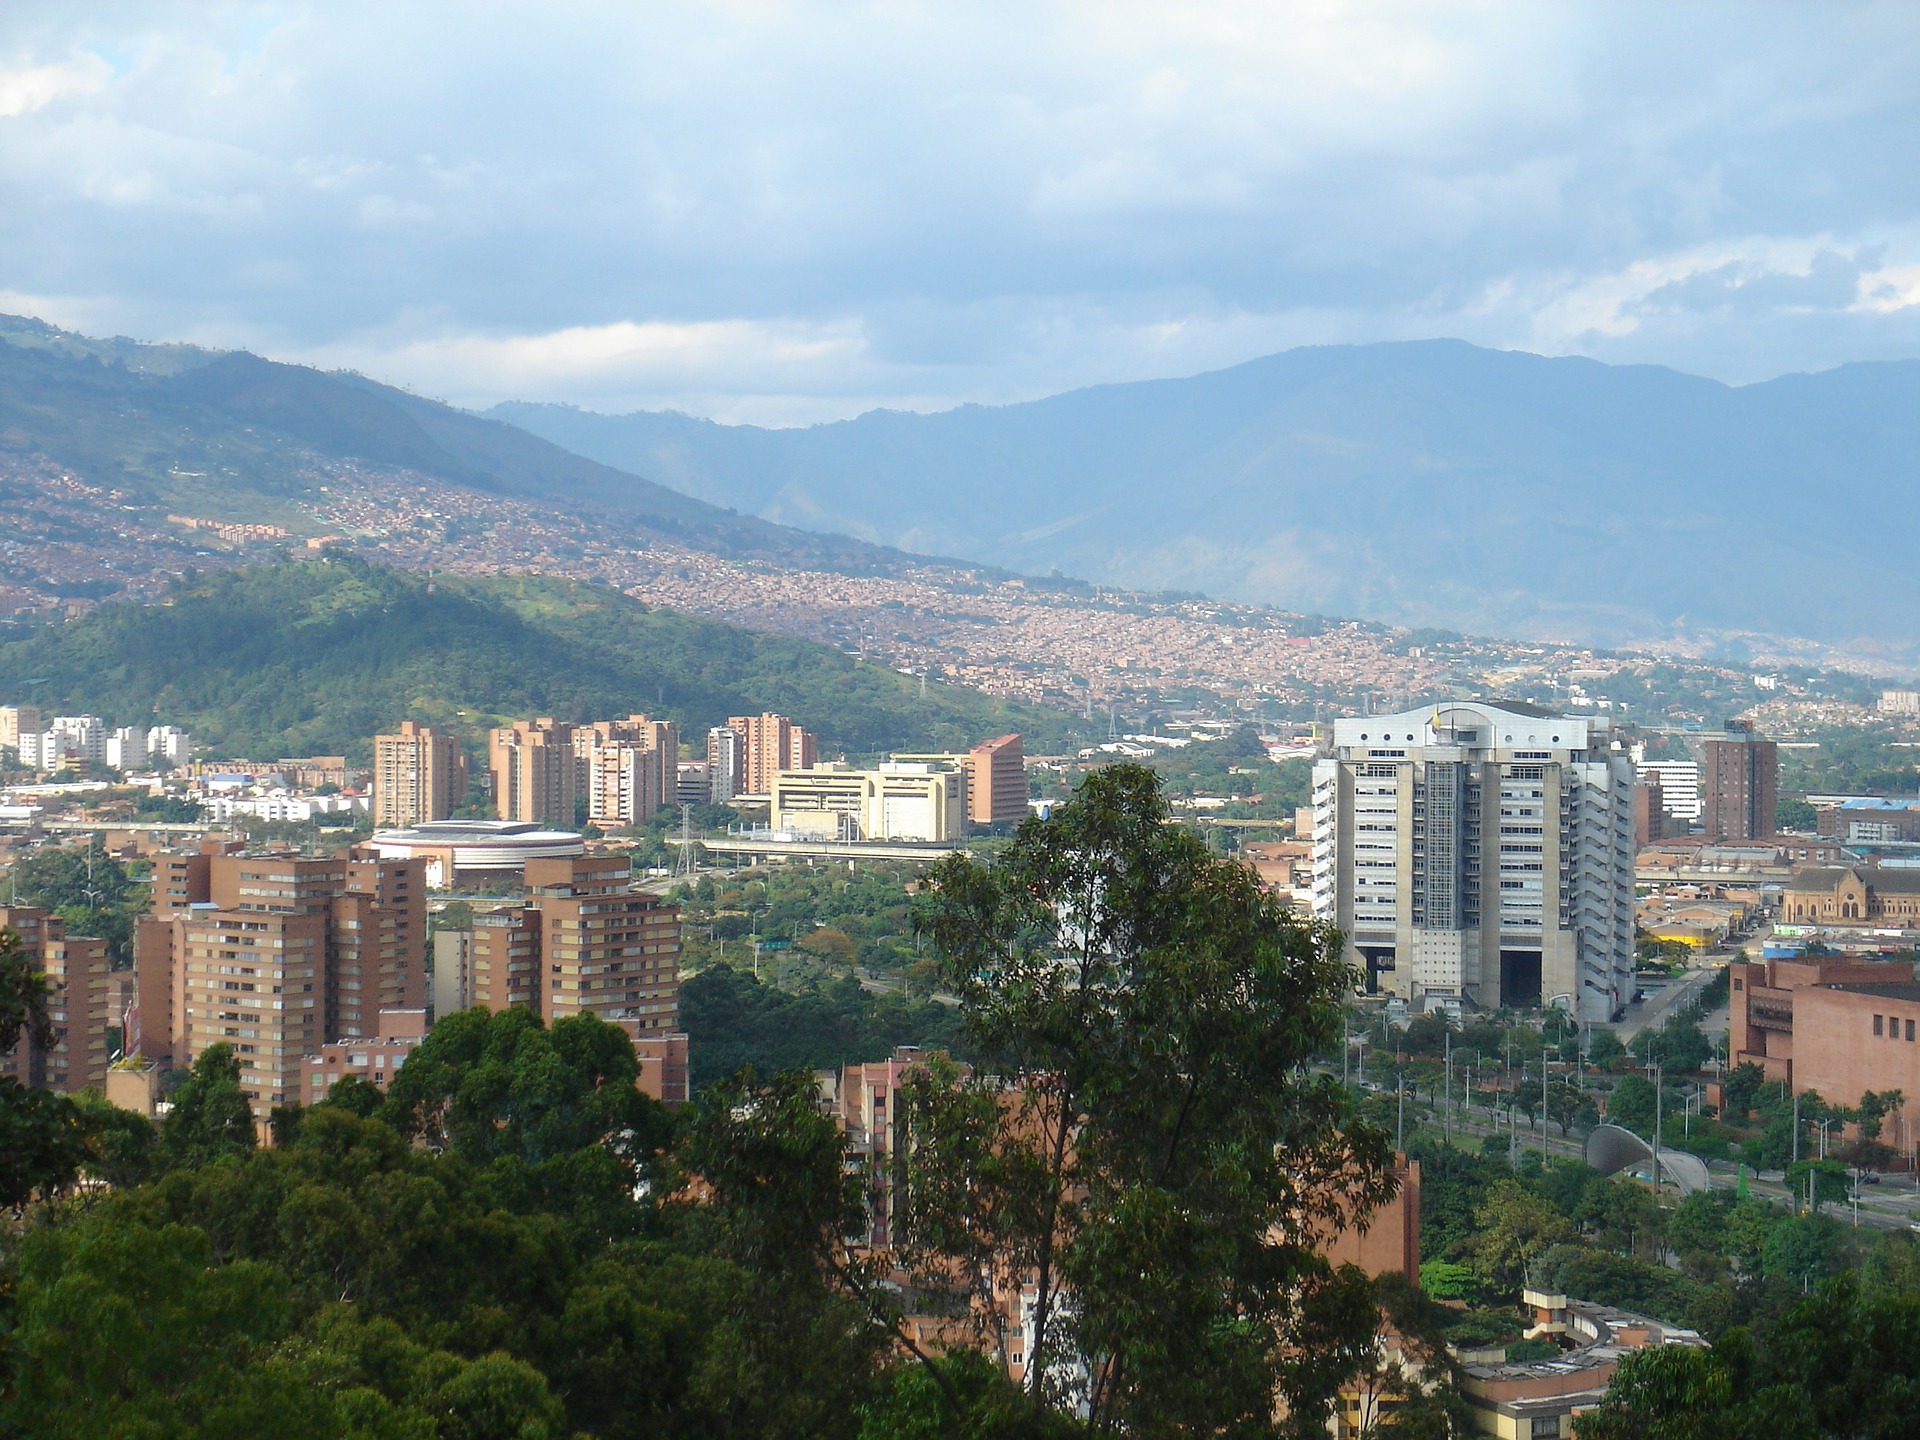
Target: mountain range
{"x":228,"y":432}
{"x":1428,"y":483}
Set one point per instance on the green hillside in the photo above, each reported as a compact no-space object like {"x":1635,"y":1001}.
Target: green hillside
{"x":315,"y":656}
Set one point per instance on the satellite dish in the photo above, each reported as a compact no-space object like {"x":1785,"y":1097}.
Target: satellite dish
{"x":1612,"y":1148}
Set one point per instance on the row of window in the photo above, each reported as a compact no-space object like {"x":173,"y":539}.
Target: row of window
{"x":1889,"y":1025}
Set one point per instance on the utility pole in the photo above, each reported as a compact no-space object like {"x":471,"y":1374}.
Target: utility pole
{"x":1545,"y":1113}
{"x":1796,"y":1128}
{"x":1400,"y":1126}
{"x":1657,"y":1169}
{"x":1446,"y":1108}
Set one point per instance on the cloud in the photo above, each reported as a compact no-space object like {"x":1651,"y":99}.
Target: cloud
{"x":24,"y":89}
{"x":799,"y":209}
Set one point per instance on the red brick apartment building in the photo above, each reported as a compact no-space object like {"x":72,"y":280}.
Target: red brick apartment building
{"x":79,"y":1006}
{"x":275,"y":955}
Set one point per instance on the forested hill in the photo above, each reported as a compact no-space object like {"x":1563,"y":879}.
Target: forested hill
{"x":315,"y":656}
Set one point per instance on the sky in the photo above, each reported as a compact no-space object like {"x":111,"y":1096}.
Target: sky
{"x":785,"y":213}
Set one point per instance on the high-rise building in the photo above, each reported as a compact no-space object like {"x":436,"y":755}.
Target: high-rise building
{"x":769,"y":744}
{"x":533,"y":771}
{"x":1679,"y":785}
{"x":584,"y":941}
{"x":277,"y":954}
{"x":16,"y":721}
{"x":1740,"y":784}
{"x":418,"y":775}
{"x":1649,"y":811}
{"x":626,"y":770}
{"x":724,"y":764}
{"x":997,"y":782}
{"x":126,"y":747}
{"x":76,"y":967}
{"x":169,"y":743}
{"x":1480,"y":855}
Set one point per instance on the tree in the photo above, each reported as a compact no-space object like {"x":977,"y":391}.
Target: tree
{"x":211,"y":1116}
{"x":40,"y":1135}
{"x":497,"y":1084}
{"x":774,"y":1196}
{"x":1603,"y":1048}
{"x":1516,"y":1225}
{"x":1145,"y":1014}
{"x":24,"y":992}
{"x":1630,"y":1106}
{"x":88,"y":888}
{"x":1741,"y":1088}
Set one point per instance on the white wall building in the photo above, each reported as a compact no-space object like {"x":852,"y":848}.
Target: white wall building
{"x":169,"y":743}
{"x":1679,"y":785}
{"x":1478,"y":855}
{"x":127,"y":748}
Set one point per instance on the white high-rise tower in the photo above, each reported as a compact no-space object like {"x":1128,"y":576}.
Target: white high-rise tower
{"x":1480,"y":855}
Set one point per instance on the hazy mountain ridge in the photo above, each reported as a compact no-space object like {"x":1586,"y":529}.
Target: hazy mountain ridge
{"x":1424,"y":483}
{"x":231,"y":433}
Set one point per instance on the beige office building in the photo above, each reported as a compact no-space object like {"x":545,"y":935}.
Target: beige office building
{"x":904,"y":800}
{"x":418,"y":775}
{"x":995,"y":776}
{"x":533,"y":771}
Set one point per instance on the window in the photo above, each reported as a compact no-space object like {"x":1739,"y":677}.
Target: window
{"x":1878,"y":1021}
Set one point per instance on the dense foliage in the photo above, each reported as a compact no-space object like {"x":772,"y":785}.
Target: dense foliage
{"x":90,"y":890}
{"x":732,"y":1019}
{"x":316,"y":656}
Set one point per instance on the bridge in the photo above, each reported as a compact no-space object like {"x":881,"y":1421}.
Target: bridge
{"x":770,"y":846}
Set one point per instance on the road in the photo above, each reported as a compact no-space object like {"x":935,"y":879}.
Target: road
{"x":1652,"y":1011}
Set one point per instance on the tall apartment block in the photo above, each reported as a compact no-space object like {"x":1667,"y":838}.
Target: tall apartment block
{"x":997,"y":782}
{"x":76,"y":966}
{"x":533,"y":771}
{"x":1679,"y":782}
{"x":1480,"y":855}
{"x":627,"y":770}
{"x":1740,"y":784}
{"x":16,"y":721}
{"x":418,"y":775}
{"x":583,"y":942}
{"x":768,"y":745}
{"x":276,"y":955}
{"x":724,"y":764}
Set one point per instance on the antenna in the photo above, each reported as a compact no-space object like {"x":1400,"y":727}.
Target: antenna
{"x":1112,"y":733}
{"x":683,"y":862}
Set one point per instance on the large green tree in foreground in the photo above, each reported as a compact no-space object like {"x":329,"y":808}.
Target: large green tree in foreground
{"x":1143,"y":1140}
